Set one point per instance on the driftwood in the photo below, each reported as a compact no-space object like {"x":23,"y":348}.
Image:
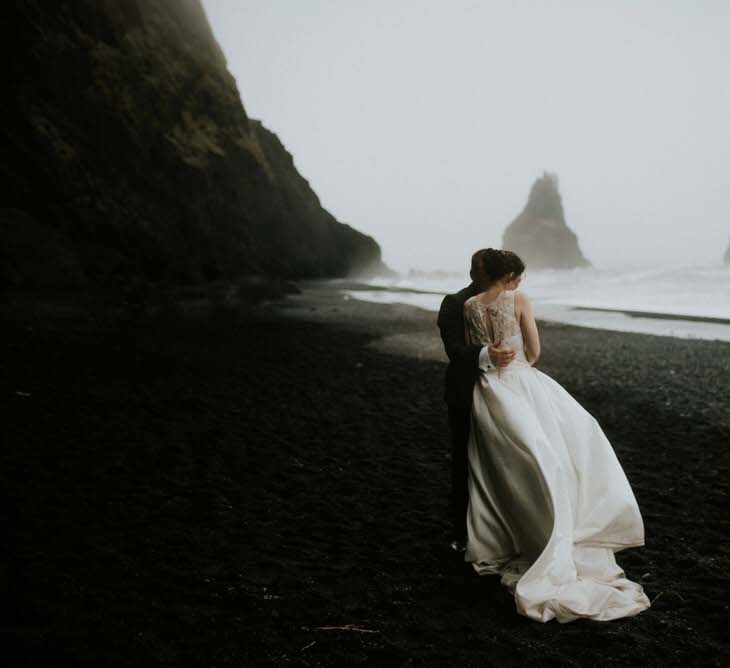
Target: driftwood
{"x":346,"y":627}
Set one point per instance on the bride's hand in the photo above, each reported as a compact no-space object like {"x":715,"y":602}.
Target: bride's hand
{"x":500,"y":357}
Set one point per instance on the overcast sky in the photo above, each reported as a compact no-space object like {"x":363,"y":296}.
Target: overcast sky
{"x":424,"y":124}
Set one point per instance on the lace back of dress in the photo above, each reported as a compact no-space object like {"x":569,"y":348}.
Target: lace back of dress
{"x":501,"y":312}
{"x":475,"y":324}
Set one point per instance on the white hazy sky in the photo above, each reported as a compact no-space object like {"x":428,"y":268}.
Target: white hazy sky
{"x":425,"y":123}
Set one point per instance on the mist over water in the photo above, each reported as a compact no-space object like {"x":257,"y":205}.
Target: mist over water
{"x":699,"y":292}
{"x":424,"y":123}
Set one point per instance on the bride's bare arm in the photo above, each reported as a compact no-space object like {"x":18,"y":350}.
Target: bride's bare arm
{"x":528,"y":327}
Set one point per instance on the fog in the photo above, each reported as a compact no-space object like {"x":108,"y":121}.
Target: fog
{"x":424,"y":124}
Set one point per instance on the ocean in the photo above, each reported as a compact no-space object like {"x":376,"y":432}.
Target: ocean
{"x":678,"y":301}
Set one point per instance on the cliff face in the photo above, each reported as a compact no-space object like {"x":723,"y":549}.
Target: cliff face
{"x":539,"y":234}
{"x":127,"y":153}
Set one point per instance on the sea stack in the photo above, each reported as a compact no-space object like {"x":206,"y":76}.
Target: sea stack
{"x":727,"y":254}
{"x":539,"y":234}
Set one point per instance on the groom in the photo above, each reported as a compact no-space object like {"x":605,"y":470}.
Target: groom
{"x":465,"y":361}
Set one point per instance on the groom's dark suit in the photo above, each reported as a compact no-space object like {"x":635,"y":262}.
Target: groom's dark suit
{"x":461,"y":373}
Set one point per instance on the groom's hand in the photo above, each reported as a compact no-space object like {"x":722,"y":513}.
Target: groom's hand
{"x":500,"y":356}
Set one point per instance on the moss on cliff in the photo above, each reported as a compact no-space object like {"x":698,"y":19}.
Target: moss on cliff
{"x":126,"y":145}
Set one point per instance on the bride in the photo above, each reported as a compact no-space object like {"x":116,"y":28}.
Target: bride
{"x":549,"y":503}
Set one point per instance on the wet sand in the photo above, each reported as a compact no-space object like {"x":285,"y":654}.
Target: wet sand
{"x":229,"y":485}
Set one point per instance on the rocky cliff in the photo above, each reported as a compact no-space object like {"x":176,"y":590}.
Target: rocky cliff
{"x":539,"y":234}
{"x":127,"y":153}
{"x":727,"y":255}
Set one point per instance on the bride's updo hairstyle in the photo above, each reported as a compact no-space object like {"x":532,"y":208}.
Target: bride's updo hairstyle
{"x":497,"y":264}
{"x":514,"y":263}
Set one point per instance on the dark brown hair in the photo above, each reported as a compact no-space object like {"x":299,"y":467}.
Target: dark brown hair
{"x":477,"y":264}
{"x":497,"y":263}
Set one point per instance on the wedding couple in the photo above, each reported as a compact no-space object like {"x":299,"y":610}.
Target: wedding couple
{"x":538,"y":495}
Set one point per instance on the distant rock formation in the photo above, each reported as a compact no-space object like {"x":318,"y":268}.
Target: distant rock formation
{"x":539,"y":235}
{"x":127,"y":153}
{"x":727,"y":255}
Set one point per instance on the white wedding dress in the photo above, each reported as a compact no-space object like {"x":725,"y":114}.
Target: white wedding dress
{"x":549,"y":503}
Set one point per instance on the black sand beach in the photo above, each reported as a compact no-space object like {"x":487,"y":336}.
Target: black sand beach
{"x":229,"y":485}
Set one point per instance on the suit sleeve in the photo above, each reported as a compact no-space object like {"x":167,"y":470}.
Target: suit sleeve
{"x":451,"y":325}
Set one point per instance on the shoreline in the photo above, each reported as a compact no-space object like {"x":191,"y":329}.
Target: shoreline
{"x":657,"y":315}
{"x":324,"y":302}
{"x":639,"y":321}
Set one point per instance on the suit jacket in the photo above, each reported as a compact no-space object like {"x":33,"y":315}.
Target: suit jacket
{"x":463,"y":368}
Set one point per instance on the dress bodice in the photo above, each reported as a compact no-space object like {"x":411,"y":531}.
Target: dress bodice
{"x":500,"y":313}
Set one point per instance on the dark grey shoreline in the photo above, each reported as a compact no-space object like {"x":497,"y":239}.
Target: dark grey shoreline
{"x":659,"y":316}
{"x":354,"y":285}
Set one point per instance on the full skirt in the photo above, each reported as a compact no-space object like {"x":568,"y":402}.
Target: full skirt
{"x":549,"y":503}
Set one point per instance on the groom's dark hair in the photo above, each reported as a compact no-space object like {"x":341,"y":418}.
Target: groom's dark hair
{"x":477,"y":264}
